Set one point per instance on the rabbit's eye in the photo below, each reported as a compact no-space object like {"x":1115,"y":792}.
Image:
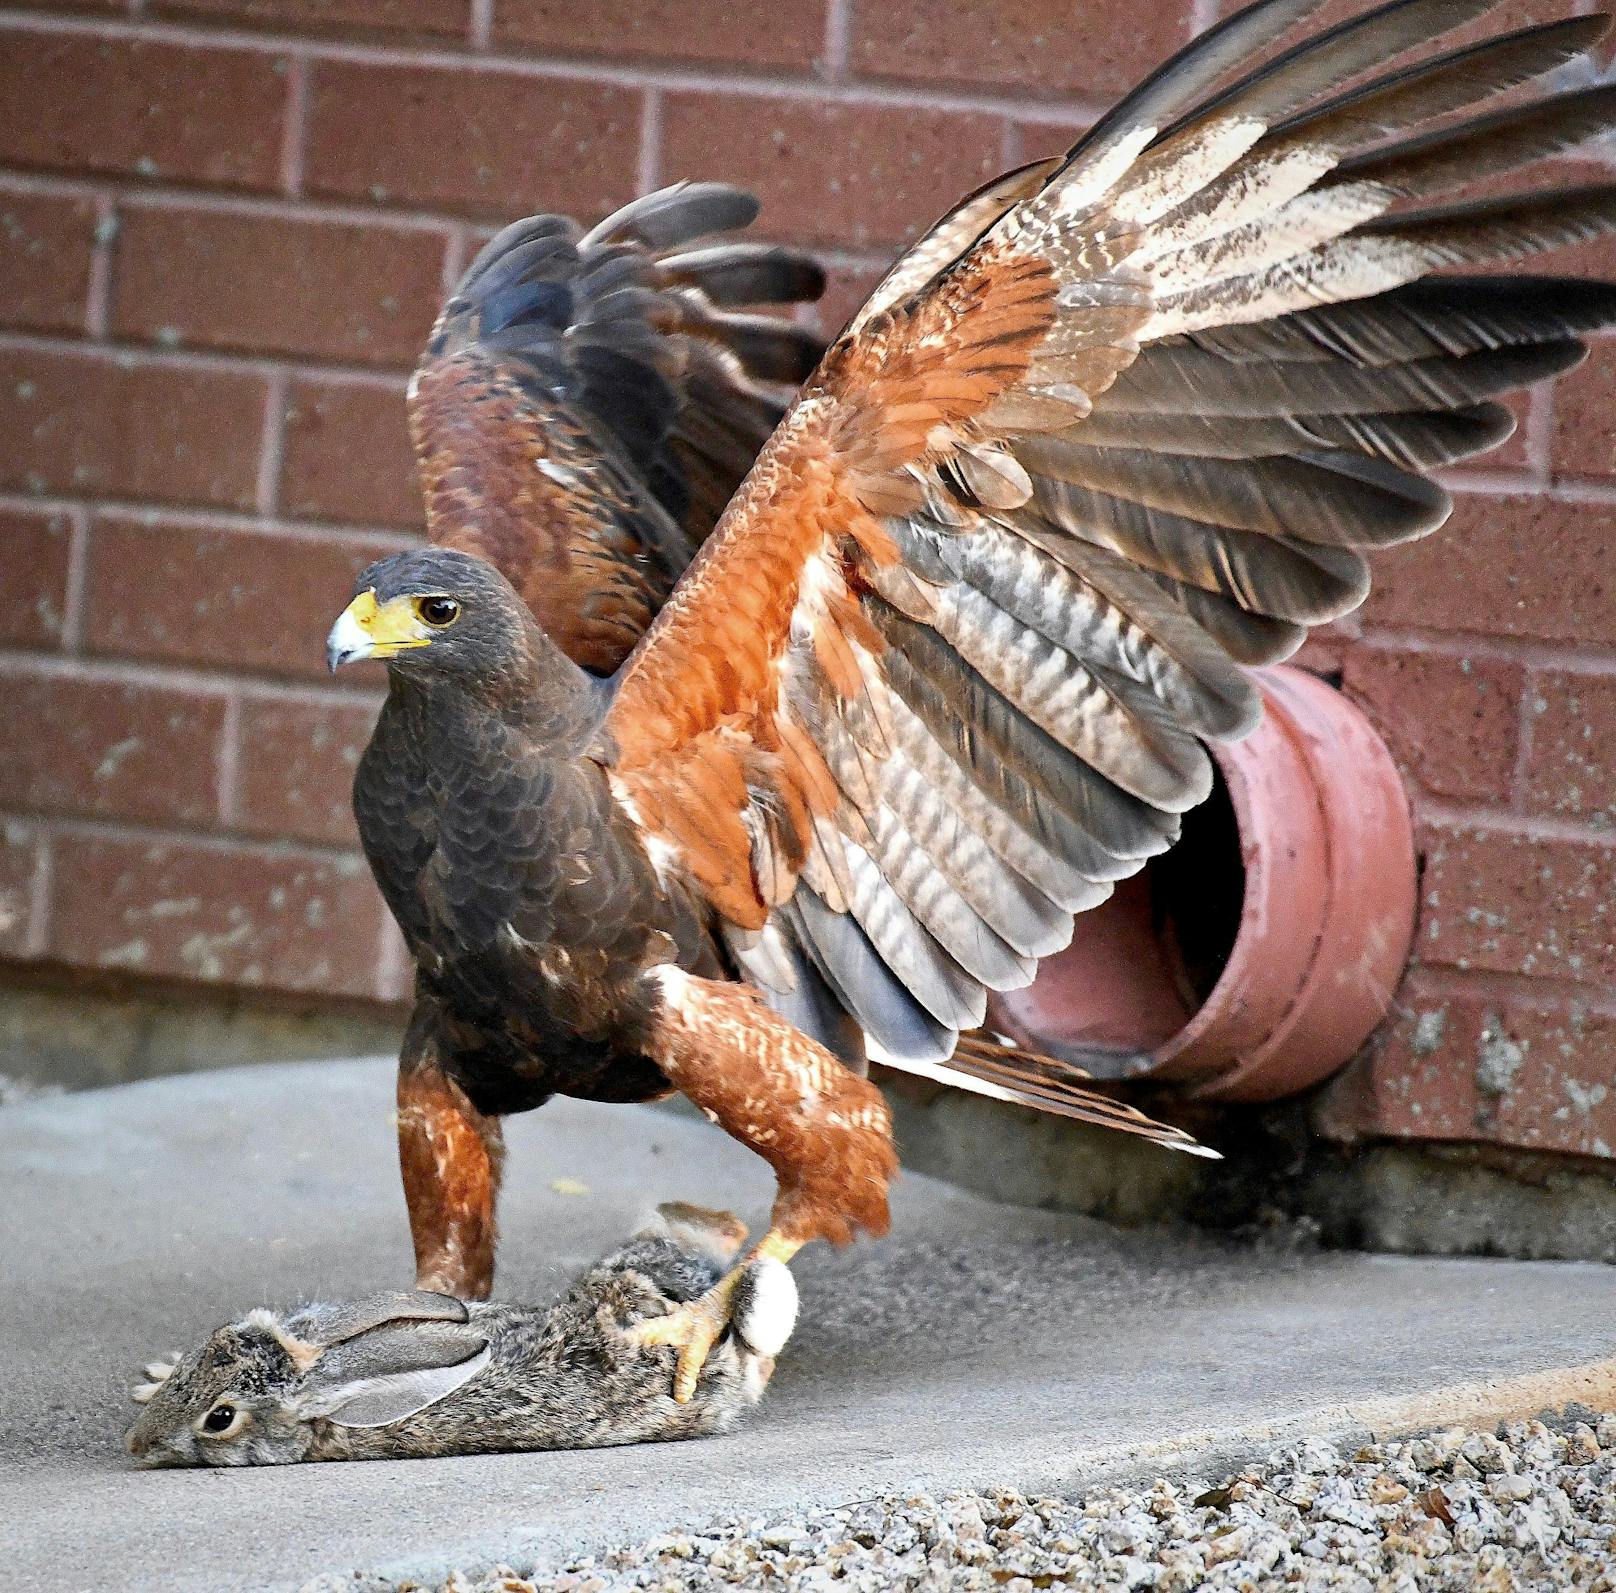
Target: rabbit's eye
{"x":223,"y":1420}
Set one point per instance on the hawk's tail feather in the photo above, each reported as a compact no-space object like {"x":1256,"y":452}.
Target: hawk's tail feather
{"x":1028,"y":1078}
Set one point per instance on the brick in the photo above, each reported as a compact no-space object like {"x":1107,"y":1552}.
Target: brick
{"x":116,"y":749}
{"x":254,"y":600}
{"x":1325,"y":650}
{"x":297,"y":760}
{"x":437,"y":18}
{"x":846,"y":289}
{"x":20,"y":848}
{"x":45,"y":246}
{"x":858,"y":175}
{"x":1584,"y":418}
{"x":35,"y":551}
{"x":121,"y":426}
{"x":1029,"y":46}
{"x":165,"y":111}
{"x":1514,"y":903}
{"x":333,"y":290}
{"x":1450,"y":722}
{"x":1572,"y":768}
{"x":1560,"y":1095}
{"x":783,"y":33}
{"x":1513,"y":566}
{"x":1483,"y":1066}
{"x":480,"y":142}
{"x":1499,"y":19}
{"x":347,"y":454}
{"x":216,"y":914}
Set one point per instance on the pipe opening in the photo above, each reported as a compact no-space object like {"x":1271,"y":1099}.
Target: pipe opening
{"x":1253,"y":958}
{"x":1197,"y":895}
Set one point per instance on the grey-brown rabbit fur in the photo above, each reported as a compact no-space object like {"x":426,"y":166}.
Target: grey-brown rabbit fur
{"x":416,"y":1374}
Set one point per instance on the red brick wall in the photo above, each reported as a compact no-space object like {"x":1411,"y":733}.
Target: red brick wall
{"x":224,"y":227}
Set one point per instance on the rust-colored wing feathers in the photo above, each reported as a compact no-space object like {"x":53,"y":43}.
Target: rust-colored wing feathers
{"x":1120,"y":427}
{"x":587,"y":405}
{"x":566,"y":523}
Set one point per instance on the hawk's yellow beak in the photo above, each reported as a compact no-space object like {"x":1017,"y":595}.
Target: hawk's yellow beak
{"x":368,"y":629}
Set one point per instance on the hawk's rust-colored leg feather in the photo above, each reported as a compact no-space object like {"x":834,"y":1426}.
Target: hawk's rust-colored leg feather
{"x":826,"y":1132}
{"x":451,"y":1156}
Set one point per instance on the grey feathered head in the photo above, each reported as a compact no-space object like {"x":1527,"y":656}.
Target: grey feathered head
{"x":432,"y":610}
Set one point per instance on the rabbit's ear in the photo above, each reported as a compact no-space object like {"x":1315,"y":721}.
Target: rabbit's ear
{"x":392,"y":1372}
{"x":327,"y":1325}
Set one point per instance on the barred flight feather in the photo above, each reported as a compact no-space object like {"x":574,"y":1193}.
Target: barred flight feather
{"x":1120,"y":427}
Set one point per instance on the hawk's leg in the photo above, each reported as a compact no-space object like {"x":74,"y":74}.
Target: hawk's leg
{"x":450,"y":1155}
{"x":826,"y":1132}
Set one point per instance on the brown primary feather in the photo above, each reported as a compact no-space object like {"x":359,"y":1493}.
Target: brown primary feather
{"x":585,"y":407}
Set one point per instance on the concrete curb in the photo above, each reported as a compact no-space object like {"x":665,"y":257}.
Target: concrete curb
{"x":983,"y":1345}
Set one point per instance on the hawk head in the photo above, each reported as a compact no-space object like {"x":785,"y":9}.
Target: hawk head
{"x":431,"y":610}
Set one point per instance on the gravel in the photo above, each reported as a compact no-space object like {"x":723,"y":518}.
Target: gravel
{"x":1528,"y":1507}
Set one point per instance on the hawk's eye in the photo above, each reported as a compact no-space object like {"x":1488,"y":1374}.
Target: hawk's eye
{"x":220,"y":1418}
{"x":438,"y":611}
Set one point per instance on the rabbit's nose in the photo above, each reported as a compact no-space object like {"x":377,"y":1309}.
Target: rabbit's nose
{"x":136,"y":1443}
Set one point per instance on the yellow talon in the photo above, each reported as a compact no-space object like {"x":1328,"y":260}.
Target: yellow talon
{"x":693,"y":1329}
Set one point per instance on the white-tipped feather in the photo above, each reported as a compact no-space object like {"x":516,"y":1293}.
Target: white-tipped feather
{"x":1254,"y":188}
{"x":1076,"y":191}
{"x":1352,"y":268}
{"x":1282,"y":234}
{"x":1181,"y":168}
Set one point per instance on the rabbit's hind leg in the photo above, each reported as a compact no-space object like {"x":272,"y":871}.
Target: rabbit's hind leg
{"x":694,"y":1329}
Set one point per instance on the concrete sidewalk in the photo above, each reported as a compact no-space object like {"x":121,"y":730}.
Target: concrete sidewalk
{"x":979,"y":1345}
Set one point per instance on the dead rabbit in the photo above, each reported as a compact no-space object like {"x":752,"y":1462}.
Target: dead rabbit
{"x":415,"y":1373}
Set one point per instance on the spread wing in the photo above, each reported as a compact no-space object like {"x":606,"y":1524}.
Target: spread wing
{"x":588,"y":402}
{"x":1122,"y":427}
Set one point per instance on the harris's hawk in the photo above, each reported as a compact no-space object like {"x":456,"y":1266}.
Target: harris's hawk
{"x":1124,"y":425}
